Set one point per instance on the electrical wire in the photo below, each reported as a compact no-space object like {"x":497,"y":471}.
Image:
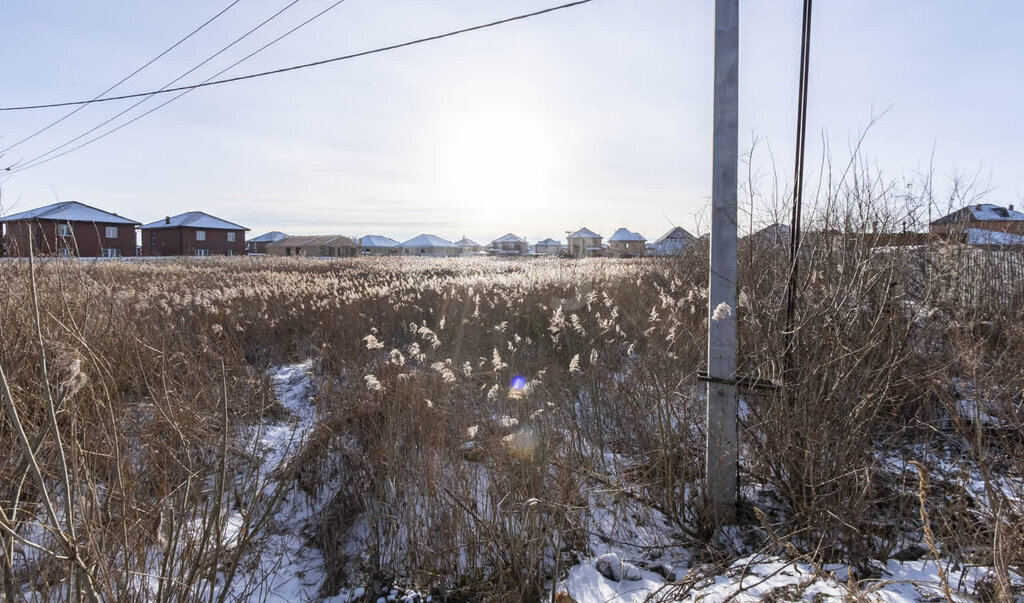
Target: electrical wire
{"x":308,"y":65}
{"x":124,"y":79}
{"x":184,"y":92}
{"x":36,"y":160}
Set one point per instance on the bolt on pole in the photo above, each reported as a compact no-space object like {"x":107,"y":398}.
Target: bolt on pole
{"x":722,"y":344}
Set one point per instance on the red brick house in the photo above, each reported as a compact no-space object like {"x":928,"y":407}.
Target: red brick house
{"x":69,"y":228}
{"x":193,"y":233}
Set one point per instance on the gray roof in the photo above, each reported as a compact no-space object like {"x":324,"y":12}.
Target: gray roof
{"x":428,"y":240}
{"x":465,"y":242}
{"x":584,"y":233}
{"x":377,"y":241}
{"x":981,"y":212}
{"x":69,"y":211}
{"x":625,"y":235}
{"x":269,"y":237}
{"x":194,"y":219}
{"x":549,"y":242}
{"x":509,"y":238}
{"x":315,"y":241}
{"x":678,"y":233}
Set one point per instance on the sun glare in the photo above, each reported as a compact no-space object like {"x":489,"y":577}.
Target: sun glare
{"x":496,"y":158}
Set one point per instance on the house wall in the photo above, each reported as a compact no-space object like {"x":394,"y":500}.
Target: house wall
{"x":578,"y":247}
{"x":547,"y":249}
{"x":88,"y":239}
{"x":378,"y":250}
{"x":256,"y":246}
{"x":1010,"y":226}
{"x":628,"y":247}
{"x":509,"y":246}
{"x":430,"y":251}
{"x":182,"y":241}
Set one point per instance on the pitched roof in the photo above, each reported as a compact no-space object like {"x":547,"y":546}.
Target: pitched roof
{"x":315,"y":241}
{"x":70,"y":211}
{"x":549,"y":242}
{"x":194,"y":219}
{"x":377,"y":241}
{"x":584,"y":233}
{"x":269,"y":237}
{"x":678,"y":233}
{"x":464,"y":242}
{"x":625,"y":235}
{"x":428,"y":240}
{"x":509,"y":238}
{"x":981,"y":212}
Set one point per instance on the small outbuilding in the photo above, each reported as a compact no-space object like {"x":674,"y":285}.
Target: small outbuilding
{"x":585,"y":243}
{"x":377,"y":245}
{"x":68,"y":228}
{"x":429,"y":245}
{"x":317,"y":246}
{"x":258,"y":245}
{"x":626,"y":244}
{"x":193,"y":233}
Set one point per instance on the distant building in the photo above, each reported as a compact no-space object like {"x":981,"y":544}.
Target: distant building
{"x":258,"y":245}
{"x":672,"y":242}
{"x":547,"y":247}
{"x":585,"y":243}
{"x":317,"y":246}
{"x":626,"y":244}
{"x":509,"y":244}
{"x":979,"y":217}
{"x":69,"y":228}
{"x":193,"y":233}
{"x":773,"y":235}
{"x":377,"y":245}
{"x":429,"y":245}
{"x":469,"y":247}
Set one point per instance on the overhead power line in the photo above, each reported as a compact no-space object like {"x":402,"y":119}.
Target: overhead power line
{"x":36,"y":160}
{"x":308,"y":65}
{"x":124,"y":79}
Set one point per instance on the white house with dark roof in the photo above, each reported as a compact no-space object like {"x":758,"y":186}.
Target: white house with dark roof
{"x":429,"y":245}
{"x":585,"y":243}
{"x":626,"y":244}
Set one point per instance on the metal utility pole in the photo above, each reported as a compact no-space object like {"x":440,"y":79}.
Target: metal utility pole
{"x":721,"y":375}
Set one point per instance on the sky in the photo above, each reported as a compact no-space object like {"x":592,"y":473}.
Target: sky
{"x":596,"y":116}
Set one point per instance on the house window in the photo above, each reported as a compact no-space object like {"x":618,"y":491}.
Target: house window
{"x":64,"y":230}
{"x":111,"y":232}
{"x":110,"y":252}
{"x":202,"y":252}
{"x":200,"y":235}
{"x":231,"y":237}
{"x":231,"y":252}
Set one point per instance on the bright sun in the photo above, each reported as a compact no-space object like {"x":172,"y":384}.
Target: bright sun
{"x":494,"y":160}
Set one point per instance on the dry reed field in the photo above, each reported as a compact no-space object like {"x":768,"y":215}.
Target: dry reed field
{"x":485,"y":429}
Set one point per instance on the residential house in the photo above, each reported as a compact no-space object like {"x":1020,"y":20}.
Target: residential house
{"x":317,"y":246}
{"x":193,"y":233}
{"x":585,"y":243}
{"x":773,"y":235}
{"x":469,"y":247}
{"x":258,"y":245}
{"x":69,"y":228}
{"x":979,"y":217}
{"x":377,"y":245}
{"x":429,"y":245}
{"x":509,"y":244}
{"x":672,"y":242}
{"x":547,"y":247}
{"x":626,"y":244}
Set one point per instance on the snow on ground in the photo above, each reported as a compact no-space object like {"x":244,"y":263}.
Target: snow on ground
{"x":288,"y":569}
